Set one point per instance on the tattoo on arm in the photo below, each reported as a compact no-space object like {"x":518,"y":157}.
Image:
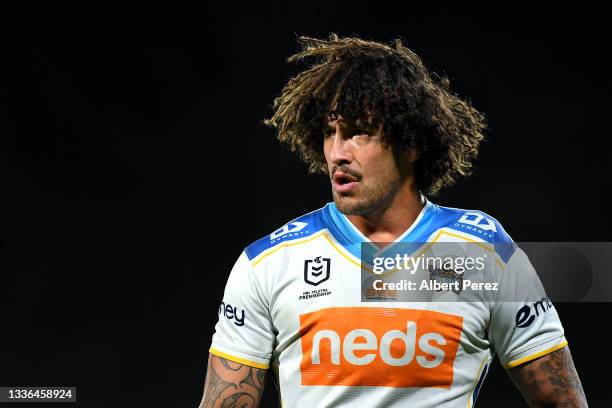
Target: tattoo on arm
{"x":550,"y":381}
{"x":230,"y":384}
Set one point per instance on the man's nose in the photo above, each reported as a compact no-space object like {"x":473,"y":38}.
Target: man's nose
{"x":340,"y":150}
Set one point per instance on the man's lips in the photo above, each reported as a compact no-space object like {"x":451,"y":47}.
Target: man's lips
{"x":343,"y":182}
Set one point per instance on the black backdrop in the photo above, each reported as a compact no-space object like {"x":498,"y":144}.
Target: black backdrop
{"x":135,"y":168}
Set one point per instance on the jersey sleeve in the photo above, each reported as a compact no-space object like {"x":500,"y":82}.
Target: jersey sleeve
{"x":244,"y":332}
{"x":524,"y":323}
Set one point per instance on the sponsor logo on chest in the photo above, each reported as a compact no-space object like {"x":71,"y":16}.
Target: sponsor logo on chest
{"x":377,"y":346}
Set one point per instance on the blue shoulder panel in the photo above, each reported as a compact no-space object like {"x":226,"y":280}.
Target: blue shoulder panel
{"x":300,"y":227}
{"x":476,"y":223}
{"x":481,"y":225}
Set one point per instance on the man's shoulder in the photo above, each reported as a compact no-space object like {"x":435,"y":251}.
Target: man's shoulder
{"x":476,"y":224}
{"x":298,"y":228}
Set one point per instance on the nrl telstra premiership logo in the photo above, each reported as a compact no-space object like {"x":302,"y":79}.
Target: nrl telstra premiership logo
{"x":316,"y":270}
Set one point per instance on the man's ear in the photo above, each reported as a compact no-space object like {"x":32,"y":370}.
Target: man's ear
{"x":406,"y":159}
{"x":406,"y":155}
{"x":412,"y":154}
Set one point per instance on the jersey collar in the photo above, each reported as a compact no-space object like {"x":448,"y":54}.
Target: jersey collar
{"x":350,"y":237}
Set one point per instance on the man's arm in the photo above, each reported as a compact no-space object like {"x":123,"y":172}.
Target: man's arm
{"x":231,"y":384}
{"x":550,"y":381}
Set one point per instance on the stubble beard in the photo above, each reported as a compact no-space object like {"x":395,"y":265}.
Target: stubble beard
{"x":370,"y":197}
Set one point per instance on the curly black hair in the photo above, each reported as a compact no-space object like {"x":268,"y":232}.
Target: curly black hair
{"x":389,"y":86}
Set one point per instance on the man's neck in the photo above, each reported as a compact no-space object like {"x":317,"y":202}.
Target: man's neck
{"x":388,"y":223}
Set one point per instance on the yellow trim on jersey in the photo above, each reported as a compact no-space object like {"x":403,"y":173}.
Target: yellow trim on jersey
{"x":481,"y":244}
{"x":476,"y":381}
{"x":341,"y":252}
{"x":326,"y":235}
{"x":286,"y":244}
{"x":238,"y":359}
{"x":525,"y":359}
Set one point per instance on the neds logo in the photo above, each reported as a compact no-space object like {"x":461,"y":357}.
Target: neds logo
{"x":375,"y":346}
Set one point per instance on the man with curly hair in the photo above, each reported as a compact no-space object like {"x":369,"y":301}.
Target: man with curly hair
{"x":388,"y":133}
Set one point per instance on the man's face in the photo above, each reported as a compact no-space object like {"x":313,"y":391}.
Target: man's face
{"x":364,"y":174}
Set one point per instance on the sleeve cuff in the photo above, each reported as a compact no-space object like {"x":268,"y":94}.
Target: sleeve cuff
{"x":536,"y":352}
{"x":239,"y":357}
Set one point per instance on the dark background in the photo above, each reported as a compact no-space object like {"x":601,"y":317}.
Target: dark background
{"x":135,"y":168}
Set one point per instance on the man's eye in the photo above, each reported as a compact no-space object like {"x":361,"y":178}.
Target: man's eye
{"x":361,"y":132}
{"x":357,"y":132}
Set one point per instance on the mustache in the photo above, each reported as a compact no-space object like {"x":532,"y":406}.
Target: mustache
{"x":344,"y":168}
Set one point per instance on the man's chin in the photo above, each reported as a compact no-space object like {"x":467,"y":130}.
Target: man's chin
{"x":350,"y":205}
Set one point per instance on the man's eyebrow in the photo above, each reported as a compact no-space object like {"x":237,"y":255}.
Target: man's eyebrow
{"x":350,"y":124}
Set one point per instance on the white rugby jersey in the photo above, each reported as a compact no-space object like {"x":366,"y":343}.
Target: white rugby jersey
{"x":293,"y":303}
